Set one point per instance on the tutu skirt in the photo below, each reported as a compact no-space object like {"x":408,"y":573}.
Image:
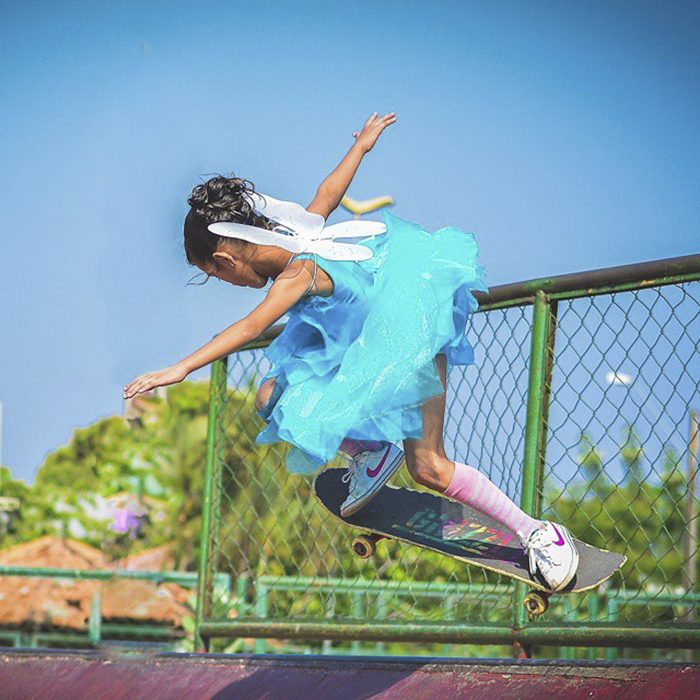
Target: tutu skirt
{"x":360,"y":362}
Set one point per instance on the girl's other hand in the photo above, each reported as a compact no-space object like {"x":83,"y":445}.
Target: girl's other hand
{"x":151,"y":380}
{"x":371,"y":130}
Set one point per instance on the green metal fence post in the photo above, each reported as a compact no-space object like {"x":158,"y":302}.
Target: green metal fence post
{"x":211,"y":500}
{"x":95,"y":619}
{"x":593,"y":611}
{"x":612,"y":653}
{"x":382,"y":610}
{"x":261,"y":611}
{"x":447,"y":616}
{"x":539,"y":381}
{"x":551,"y":314}
{"x":357,"y":613}
{"x":241,"y":594}
{"x":569,"y":616}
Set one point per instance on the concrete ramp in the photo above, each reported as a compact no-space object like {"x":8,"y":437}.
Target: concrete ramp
{"x":66,"y":675}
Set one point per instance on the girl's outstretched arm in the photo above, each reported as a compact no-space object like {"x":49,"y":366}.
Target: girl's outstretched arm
{"x":287,"y":289}
{"x":332,"y":189}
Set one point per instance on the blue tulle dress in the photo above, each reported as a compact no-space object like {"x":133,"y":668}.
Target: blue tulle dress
{"x":360,"y":362}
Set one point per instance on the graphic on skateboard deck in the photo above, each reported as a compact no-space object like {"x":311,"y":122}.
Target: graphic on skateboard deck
{"x":457,"y":531}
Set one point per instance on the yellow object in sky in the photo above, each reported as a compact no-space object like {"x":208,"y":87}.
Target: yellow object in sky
{"x":358,"y":208}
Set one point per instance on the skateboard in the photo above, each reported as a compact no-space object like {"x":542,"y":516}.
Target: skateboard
{"x":457,"y":531}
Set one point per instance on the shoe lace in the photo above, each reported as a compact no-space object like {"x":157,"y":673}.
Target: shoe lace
{"x":361,"y":458}
{"x":352,"y":468}
{"x":536,"y":548}
{"x":355,"y":465}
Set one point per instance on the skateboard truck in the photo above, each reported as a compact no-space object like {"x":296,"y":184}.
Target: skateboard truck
{"x":366,"y":545}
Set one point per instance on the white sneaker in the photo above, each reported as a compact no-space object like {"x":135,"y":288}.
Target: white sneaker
{"x":367,"y":472}
{"x":552,"y":551}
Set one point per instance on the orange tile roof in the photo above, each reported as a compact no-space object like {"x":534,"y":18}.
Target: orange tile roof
{"x":155,"y":559}
{"x":55,"y":552}
{"x":65,"y":603}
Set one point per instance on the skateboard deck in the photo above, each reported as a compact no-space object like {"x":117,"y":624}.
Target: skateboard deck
{"x":457,"y":531}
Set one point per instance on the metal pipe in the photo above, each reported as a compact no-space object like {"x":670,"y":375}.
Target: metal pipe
{"x":562,"y":635}
{"x":534,"y":423}
{"x":690,"y":540}
{"x":635,"y":276}
{"x":346,"y":585}
{"x":181,"y":578}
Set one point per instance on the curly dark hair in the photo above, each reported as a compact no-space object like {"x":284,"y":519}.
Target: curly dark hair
{"x":218,"y":199}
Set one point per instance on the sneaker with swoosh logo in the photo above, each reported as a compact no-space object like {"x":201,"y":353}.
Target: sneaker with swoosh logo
{"x":552,"y":552}
{"x":367,"y":472}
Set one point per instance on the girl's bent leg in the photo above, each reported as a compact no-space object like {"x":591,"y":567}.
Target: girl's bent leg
{"x":429,"y":466}
{"x":266,"y":398}
{"x":425,"y":456}
{"x":264,"y":393}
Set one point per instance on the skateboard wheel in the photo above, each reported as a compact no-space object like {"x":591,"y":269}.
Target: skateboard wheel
{"x":536,"y":603}
{"x":364,"y":546}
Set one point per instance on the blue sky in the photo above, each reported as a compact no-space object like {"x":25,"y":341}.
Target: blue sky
{"x":564,"y":135}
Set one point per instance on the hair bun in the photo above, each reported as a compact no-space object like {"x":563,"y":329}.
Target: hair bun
{"x":223,"y":193}
{"x":199,"y":197}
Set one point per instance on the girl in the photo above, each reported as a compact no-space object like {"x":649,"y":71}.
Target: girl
{"x":362,"y":361}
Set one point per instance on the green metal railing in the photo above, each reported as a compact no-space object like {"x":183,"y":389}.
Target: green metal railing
{"x":598,"y":602}
{"x":579,"y":405}
{"x":186,"y":579}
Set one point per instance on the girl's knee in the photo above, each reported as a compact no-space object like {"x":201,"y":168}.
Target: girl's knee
{"x":264,"y":393}
{"x":429,"y":469}
{"x":266,"y":398}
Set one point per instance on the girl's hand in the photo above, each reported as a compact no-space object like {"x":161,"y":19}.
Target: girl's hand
{"x":151,"y":380}
{"x":371,"y":130}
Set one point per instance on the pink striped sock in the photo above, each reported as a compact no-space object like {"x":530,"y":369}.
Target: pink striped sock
{"x":472,"y":488}
{"x":352,"y":447}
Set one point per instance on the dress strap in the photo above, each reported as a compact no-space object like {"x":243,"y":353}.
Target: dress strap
{"x":313,"y":280}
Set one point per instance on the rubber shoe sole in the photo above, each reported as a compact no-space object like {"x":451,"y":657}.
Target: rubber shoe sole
{"x":354,"y":506}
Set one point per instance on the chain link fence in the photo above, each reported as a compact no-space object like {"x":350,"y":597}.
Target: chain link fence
{"x":579,"y":406}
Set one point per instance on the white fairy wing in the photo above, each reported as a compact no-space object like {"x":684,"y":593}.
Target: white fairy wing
{"x":305,"y":231}
{"x":261,"y":236}
{"x":352,"y":229}
{"x":339,"y":251}
{"x":289,"y":214}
